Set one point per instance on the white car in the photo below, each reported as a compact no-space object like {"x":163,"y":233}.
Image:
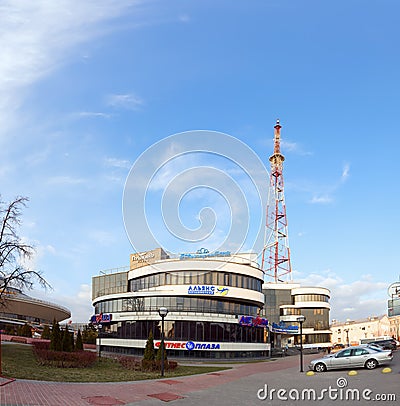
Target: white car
{"x":353,"y":357}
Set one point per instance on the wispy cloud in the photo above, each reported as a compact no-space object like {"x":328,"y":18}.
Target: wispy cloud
{"x":36,"y":37}
{"x":92,"y":114}
{"x":354,"y":300}
{"x":102,"y":237}
{"x":321,"y":199}
{"x":124,"y":101}
{"x":184,"y":18}
{"x":327,"y":196}
{"x":293,"y":147}
{"x":118,"y":163}
{"x":345,"y":172}
{"x":65,"y":180}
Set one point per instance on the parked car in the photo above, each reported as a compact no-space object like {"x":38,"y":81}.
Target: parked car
{"x":337,"y":347}
{"x":353,"y":357}
{"x":386,"y":344}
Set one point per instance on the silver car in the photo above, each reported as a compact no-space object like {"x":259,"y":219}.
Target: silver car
{"x":353,"y":357}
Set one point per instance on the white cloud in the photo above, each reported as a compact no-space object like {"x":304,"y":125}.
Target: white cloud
{"x":184,"y":18}
{"x":92,"y":114}
{"x":65,"y":180}
{"x":351,"y":300}
{"x":124,"y":101}
{"x":321,"y":199}
{"x":345,"y":172}
{"x":102,"y":237}
{"x":37,"y":36}
{"x":293,"y":147}
{"x":118,"y":163}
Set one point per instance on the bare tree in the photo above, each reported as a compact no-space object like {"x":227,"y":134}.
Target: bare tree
{"x":14,"y":251}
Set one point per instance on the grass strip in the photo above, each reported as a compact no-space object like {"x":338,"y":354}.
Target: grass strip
{"x":18,"y":361}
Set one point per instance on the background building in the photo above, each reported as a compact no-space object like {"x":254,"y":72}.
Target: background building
{"x":19,"y":308}
{"x":394,"y":301}
{"x":285,"y":302}
{"x":351,"y":331}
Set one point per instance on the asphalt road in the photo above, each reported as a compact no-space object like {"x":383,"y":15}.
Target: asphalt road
{"x":291,"y":387}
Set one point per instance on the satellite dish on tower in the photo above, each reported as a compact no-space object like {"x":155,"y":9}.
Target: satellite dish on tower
{"x":394,"y":290}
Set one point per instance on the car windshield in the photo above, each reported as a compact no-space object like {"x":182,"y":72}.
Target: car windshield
{"x":375,"y":348}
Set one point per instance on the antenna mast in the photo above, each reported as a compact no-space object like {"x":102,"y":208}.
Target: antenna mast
{"x":276,"y":253}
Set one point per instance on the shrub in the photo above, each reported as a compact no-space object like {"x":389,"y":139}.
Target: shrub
{"x":172,"y":365}
{"x":79,"y":342}
{"x":62,"y":359}
{"x":26,"y":330}
{"x":46,"y":333}
{"x":149,"y":354}
{"x":66,"y":341}
{"x":89,"y":335}
{"x":158,"y":356}
{"x":41,"y":345}
{"x":56,"y":343}
{"x":130,"y":363}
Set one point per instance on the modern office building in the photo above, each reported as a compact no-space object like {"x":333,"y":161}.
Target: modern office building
{"x":218,"y":306}
{"x":286,"y":302}
{"x":18,"y":308}
{"x":214,"y":303}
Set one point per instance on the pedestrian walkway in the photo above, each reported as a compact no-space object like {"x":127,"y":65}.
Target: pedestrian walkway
{"x":38,"y":393}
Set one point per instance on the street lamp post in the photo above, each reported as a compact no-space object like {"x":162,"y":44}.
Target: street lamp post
{"x":163,"y":311}
{"x":99,"y":326}
{"x":301,"y":320}
{"x":347,"y":336}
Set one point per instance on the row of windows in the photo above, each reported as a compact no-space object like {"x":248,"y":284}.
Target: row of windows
{"x":196,"y":278}
{"x":109,"y":284}
{"x":175,"y":304}
{"x":21,"y":317}
{"x":318,"y":319}
{"x":186,"y":330}
{"x":190,"y":354}
{"x":311,"y":298}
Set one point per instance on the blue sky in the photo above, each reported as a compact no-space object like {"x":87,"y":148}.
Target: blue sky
{"x":88,"y":86}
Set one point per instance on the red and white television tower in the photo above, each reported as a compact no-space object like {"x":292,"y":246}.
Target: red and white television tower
{"x":276,"y":253}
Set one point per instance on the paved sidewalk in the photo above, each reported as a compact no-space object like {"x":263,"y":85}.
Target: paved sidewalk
{"x":38,"y":393}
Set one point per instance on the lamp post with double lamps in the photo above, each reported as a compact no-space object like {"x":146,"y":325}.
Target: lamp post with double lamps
{"x":162,"y":311}
{"x":301,"y":319}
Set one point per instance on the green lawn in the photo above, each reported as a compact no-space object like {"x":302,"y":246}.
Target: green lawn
{"x":18,"y":361}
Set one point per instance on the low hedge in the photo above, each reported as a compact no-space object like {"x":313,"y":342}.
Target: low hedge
{"x":134,"y":364}
{"x":62,"y":359}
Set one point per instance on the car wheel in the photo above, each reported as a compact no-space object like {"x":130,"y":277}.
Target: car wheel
{"x":371,"y":364}
{"x":320,"y":367}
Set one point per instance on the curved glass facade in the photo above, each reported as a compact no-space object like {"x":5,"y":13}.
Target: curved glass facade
{"x":199,"y":277}
{"x":187,"y":330}
{"x":311,"y":298}
{"x":174,"y":304}
{"x":200,"y":306}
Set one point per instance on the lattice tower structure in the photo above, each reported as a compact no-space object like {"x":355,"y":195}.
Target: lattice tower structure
{"x":276,"y":262}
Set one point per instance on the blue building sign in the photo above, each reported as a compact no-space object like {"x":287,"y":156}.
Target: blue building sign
{"x":207,"y":290}
{"x":205,"y":253}
{"x":253,"y":321}
{"x":282,"y":328}
{"x":101,"y":318}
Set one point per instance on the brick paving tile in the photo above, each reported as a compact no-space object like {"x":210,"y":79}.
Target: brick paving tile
{"x":166,"y":396}
{"x":37,"y":393}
